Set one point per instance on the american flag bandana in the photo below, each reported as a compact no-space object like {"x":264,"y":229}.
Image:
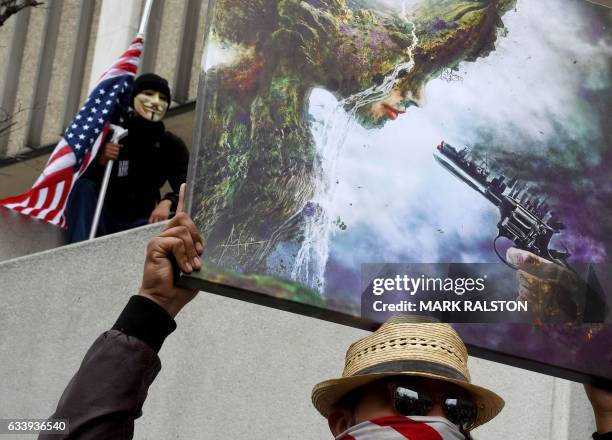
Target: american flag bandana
{"x":403,"y":428}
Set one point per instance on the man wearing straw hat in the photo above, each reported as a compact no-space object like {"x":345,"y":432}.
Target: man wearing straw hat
{"x":410,"y":380}
{"x":405,"y":380}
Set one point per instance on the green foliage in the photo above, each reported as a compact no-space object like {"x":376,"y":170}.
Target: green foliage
{"x":240,"y":21}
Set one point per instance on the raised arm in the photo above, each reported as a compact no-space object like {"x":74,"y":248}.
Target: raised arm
{"x":106,"y":394}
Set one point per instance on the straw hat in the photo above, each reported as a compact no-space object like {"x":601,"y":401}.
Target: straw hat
{"x":402,"y":347}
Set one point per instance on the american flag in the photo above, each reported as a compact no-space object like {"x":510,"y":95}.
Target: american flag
{"x":47,"y":198}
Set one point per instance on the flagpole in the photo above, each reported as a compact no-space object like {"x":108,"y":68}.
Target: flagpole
{"x":144,"y":20}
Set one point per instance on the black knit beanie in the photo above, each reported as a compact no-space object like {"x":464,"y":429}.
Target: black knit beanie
{"x":150,"y":81}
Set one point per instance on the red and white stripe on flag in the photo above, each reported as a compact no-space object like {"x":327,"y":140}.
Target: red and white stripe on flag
{"x":47,"y":198}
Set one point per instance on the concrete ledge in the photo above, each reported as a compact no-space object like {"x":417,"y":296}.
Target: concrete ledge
{"x":21,"y":235}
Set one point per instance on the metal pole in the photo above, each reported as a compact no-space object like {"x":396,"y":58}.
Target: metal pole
{"x":109,"y":166}
{"x":100,"y":204}
{"x":145,"y":17}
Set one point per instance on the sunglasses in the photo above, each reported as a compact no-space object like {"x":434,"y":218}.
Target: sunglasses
{"x":410,"y":400}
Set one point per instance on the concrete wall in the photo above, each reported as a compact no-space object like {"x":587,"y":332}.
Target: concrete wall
{"x":21,"y":235}
{"x":53,"y":124}
{"x":231,"y":370}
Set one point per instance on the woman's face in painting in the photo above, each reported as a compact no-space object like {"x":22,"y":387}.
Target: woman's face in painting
{"x":378,"y":107}
{"x":392,"y":106}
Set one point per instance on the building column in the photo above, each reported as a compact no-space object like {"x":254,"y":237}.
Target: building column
{"x":117,"y":27}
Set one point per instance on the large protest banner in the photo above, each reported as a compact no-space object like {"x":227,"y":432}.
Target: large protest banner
{"x":347,"y":149}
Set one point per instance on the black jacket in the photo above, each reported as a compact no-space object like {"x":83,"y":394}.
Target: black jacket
{"x":107,"y":393}
{"x":150,"y":156}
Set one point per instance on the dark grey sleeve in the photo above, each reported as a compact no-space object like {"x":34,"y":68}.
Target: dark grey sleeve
{"x":106,"y":394}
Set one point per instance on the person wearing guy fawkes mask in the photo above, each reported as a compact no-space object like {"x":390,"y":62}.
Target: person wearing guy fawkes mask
{"x":143,"y":162}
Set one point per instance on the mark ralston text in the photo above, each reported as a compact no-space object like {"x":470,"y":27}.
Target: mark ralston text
{"x":451,"y":306}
